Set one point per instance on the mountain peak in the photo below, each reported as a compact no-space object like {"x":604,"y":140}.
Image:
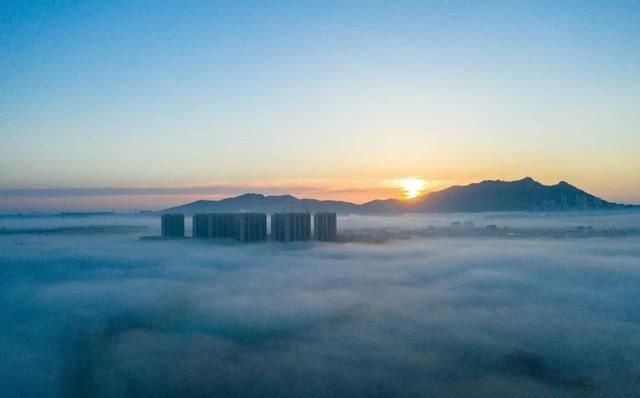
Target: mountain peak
{"x":249,"y":195}
{"x":527,"y":180}
{"x":285,"y":196}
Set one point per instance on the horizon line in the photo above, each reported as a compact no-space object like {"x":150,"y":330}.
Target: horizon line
{"x":38,"y":196}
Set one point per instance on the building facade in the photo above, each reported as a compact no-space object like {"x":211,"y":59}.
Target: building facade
{"x":200,"y":226}
{"x":246,"y":227}
{"x":251,"y":227}
{"x":223,"y":225}
{"x":325,"y":227}
{"x":172,"y":226}
{"x":289,"y":227}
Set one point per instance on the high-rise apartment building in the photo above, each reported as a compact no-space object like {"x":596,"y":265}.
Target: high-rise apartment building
{"x":251,"y":227}
{"x":200,"y":226}
{"x":172,"y":226}
{"x":288,"y":227}
{"x":325,"y":226}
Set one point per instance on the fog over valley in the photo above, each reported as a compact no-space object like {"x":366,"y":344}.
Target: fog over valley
{"x":107,"y":314}
{"x":310,"y":199}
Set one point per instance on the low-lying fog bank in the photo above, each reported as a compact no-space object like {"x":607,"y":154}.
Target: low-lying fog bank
{"x":111,"y":315}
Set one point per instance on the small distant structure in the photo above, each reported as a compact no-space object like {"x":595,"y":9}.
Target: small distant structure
{"x":325,"y":226}
{"x":492,"y":228}
{"x":455,"y":225}
{"x":289,"y":227}
{"x":549,"y":204}
{"x":467,"y":225}
{"x":173,"y":226}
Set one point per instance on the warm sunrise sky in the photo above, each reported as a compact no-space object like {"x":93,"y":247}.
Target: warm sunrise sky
{"x":314,"y":98}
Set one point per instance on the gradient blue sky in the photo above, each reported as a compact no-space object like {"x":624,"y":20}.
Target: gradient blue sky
{"x":343,"y":97}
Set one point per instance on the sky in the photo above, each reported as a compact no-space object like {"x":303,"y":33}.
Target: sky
{"x":319,"y":99}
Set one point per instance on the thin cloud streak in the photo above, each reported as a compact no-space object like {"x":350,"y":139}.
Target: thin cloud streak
{"x":154,"y":198}
{"x":127,"y":198}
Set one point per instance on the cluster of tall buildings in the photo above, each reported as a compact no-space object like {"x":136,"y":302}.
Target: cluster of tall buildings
{"x":325,"y":226}
{"x":252,"y":227}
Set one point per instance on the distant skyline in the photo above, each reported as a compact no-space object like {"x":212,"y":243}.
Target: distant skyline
{"x":166,"y":102}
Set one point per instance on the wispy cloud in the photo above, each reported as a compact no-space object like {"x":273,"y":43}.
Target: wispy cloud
{"x":61,"y":198}
{"x":158,"y":197}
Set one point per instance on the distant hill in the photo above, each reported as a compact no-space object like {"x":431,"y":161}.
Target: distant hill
{"x":497,"y":195}
{"x":494,"y":195}
{"x":525,"y":194}
{"x":263,"y":203}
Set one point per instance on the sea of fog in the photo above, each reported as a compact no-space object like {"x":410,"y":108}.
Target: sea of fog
{"x":103,"y":313}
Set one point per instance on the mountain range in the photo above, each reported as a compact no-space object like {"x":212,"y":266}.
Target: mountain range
{"x":491,"y":195}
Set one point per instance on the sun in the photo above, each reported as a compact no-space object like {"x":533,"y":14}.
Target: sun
{"x":412,"y":186}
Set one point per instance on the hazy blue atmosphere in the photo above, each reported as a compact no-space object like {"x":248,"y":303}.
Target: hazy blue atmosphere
{"x":332,"y":99}
{"x":106,"y":314}
{"x":436,"y":198}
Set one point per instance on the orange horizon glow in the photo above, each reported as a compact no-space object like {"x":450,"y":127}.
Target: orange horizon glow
{"x":94,"y":198}
{"x":357,"y":191}
{"x":412,"y":187}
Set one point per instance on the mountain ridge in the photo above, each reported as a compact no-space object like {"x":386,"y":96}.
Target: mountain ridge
{"x":488,"y":195}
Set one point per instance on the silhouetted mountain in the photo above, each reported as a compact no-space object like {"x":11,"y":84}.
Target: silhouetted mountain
{"x":520,"y":195}
{"x":524,"y":194}
{"x":263,"y":203}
